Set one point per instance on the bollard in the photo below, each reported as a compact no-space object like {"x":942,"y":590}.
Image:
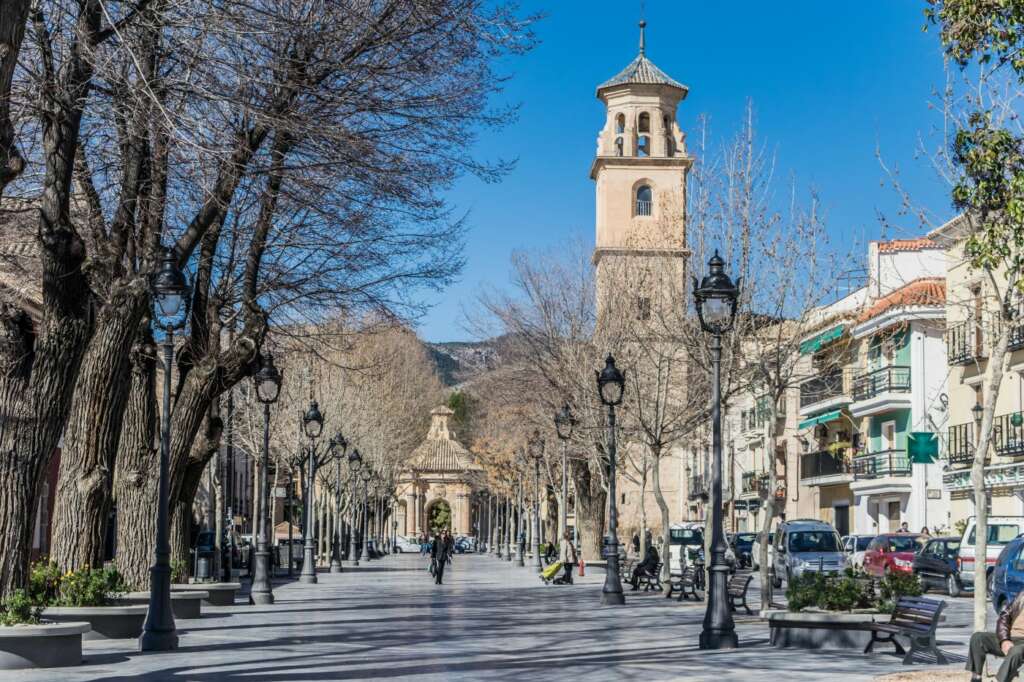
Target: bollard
{"x":581,"y":567}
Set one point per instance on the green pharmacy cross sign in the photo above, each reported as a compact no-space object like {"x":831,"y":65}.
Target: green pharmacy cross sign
{"x":922,"y":447}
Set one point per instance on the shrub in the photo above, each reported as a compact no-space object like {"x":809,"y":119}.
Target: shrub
{"x":18,"y":609}
{"x":44,"y":583}
{"x":830,"y":592}
{"x":895,"y":585}
{"x":804,"y":590}
{"x":179,"y":571}
{"x":90,"y":587}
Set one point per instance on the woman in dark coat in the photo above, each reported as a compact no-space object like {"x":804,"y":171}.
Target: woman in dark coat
{"x":438,"y":557}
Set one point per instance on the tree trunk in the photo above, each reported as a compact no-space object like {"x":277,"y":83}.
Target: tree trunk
{"x":13,"y":17}
{"x":666,"y":526}
{"x":643,"y":509}
{"x":137,"y":474}
{"x":83,"y":495}
{"x":181,"y":530}
{"x":591,"y":501}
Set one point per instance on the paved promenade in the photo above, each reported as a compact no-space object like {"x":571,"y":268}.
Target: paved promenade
{"x":491,"y":621}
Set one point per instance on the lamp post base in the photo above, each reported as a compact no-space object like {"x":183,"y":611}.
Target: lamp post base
{"x":719,"y":639}
{"x":159,"y":633}
{"x":335,"y":566}
{"x":308,"y":566}
{"x":611,"y":592}
{"x":613,"y":599}
{"x":262,"y":598}
{"x":153,"y":640}
{"x":262,"y":591}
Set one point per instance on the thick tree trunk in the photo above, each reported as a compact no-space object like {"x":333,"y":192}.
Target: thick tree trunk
{"x":181,"y":532}
{"x":183,"y":518}
{"x":659,"y":497}
{"x":137,"y":474}
{"x":83,"y":495}
{"x":13,"y":17}
{"x":591,"y":501}
{"x":643,"y":512}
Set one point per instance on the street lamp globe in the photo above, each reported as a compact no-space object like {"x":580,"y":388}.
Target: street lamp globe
{"x":977,"y":411}
{"x":367,"y":475}
{"x":338,"y":441}
{"x":313,"y":421}
{"x":564,"y":422}
{"x":355,"y":460}
{"x":267,"y":380}
{"x":611,"y":382}
{"x":170,"y":291}
{"x":716,"y":297}
{"x":535,"y":448}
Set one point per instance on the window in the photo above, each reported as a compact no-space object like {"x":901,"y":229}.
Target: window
{"x":813,"y":541}
{"x":644,"y":146}
{"x":618,"y":146}
{"x":643,"y":308}
{"x":998,"y":534}
{"x":645,"y":123}
{"x":644,"y":200}
{"x":620,"y":124}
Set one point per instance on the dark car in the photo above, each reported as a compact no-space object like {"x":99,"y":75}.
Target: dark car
{"x":936,"y":565}
{"x":743,"y":547}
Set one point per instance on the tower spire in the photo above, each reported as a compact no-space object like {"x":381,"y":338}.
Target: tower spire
{"x":643,"y":25}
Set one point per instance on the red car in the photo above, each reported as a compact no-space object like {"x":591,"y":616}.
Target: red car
{"x":892,"y":552}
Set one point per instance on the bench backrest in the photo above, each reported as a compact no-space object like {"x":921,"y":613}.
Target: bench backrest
{"x":689,"y":573}
{"x":917,"y":613}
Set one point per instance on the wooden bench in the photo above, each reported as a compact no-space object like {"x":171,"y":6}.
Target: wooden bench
{"x":685,"y":583}
{"x":737,"y":591}
{"x":915,"y":618}
{"x":652,"y":580}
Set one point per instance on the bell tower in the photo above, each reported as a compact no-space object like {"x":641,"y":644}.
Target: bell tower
{"x":640,"y":172}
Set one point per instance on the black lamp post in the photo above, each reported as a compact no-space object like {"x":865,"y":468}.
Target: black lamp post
{"x":340,"y":443}
{"x":611,"y":384}
{"x":366,"y":473}
{"x":355,"y":462}
{"x":715,"y":299}
{"x":520,"y":524}
{"x":564,"y":424}
{"x":268,"y":386}
{"x":170,"y":291}
{"x":312,"y":425}
{"x":536,"y":450}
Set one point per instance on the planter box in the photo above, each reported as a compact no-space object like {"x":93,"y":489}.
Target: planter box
{"x":107,"y":622}
{"x":48,"y":645}
{"x":821,"y":629}
{"x":184,"y":604}
{"x":221,"y":594}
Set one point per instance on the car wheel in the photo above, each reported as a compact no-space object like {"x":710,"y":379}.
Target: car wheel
{"x":952,"y":585}
{"x":776,"y":581}
{"x":398,"y":550}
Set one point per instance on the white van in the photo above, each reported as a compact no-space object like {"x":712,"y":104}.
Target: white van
{"x":688,"y":537}
{"x":1001,"y":529}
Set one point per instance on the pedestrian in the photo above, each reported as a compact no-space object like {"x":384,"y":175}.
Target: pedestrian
{"x":924,"y":531}
{"x":449,"y":547}
{"x":571,"y":561}
{"x":1007,"y":641}
{"x":636,"y":544}
{"x":437,"y":558}
{"x":904,"y":527}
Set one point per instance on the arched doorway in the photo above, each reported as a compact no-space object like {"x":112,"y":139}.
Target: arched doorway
{"x":439,"y":515}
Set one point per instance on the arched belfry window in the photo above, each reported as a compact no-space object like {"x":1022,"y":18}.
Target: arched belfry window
{"x":643,"y":147}
{"x":620,"y":124}
{"x":618,"y":146}
{"x":644,"y":200}
{"x":645,"y":123}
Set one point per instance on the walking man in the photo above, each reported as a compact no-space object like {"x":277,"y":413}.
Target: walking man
{"x":438,"y":557}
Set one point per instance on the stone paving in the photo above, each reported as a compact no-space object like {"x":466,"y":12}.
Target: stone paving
{"x":492,"y":620}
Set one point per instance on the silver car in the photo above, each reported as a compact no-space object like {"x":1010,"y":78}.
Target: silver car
{"x":806,"y":545}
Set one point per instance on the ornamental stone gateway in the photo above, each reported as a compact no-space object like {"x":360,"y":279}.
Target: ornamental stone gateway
{"x":441,"y":472}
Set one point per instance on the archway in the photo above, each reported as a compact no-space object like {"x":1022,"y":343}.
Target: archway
{"x":439,"y":515}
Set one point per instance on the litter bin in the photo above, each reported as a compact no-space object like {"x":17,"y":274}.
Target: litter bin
{"x":203,"y":569}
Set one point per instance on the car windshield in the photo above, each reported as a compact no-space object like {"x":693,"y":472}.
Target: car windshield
{"x":745,"y":538}
{"x":998,"y":533}
{"x":813,"y":541}
{"x":904,"y":543}
{"x":686,"y":536}
{"x":863,"y":542}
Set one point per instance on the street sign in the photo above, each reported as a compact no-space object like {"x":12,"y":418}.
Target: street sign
{"x":922,"y":447}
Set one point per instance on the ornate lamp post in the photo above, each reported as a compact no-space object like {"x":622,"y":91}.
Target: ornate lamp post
{"x":715,"y":299}
{"x":564,"y":424}
{"x":312,"y":425}
{"x":536,"y":449}
{"x":268,"y":386}
{"x":611,"y":384}
{"x":341,"y":443}
{"x":520,"y":525}
{"x":355,"y":462}
{"x":366,"y":475}
{"x":170,"y":291}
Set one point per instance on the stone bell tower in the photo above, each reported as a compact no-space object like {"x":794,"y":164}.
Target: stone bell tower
{"x":640,"y":173}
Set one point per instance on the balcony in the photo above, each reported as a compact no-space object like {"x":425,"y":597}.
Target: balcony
{"x":643,"y":208}
{"x":960,"y":445}
{"x":963,"y":343}
{"x":1007,"y":437}
{"x":881,"y":464}
{"x":698,"y":486}
{"x":824,"y":467}
{"x":892,"y":379}
{"x":829,"y":389}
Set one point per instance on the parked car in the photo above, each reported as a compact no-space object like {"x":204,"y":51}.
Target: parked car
{"x":855,"y":546}
{"x":1008,"y":574}
{"x":755,"y":557}
{"x":1001,"y":530}
{"x":892,"y":552}
{"x":404,"y":544}
{"x":743,"y":545}
{"x":937,"y":567}
{"x":806,"y":545}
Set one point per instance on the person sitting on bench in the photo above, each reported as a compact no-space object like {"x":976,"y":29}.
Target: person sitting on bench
{"x":645,"y":567}
{"x":1007,"y":640}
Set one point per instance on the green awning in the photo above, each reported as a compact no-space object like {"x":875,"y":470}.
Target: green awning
{"x":814,"y":344}
{"x":820,"y":419}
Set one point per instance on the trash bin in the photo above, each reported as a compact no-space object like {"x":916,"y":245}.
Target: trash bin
{"x":203,"y":568}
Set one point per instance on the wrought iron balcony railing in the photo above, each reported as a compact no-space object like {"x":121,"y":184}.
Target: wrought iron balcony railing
{"x":895,"y":378}
{"x":823,"y":463}
{"x":963,"y":343}
{"x":831,"y":384}
{"x":881,"y":464}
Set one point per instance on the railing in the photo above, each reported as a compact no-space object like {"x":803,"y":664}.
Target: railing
{"x":895,"y":378}
{"x":963,"y":343}
{"x":823,"y":387}
{"x":880,"y":464}
{"x":1009,"y":438}
{"x":698,"y":486}
{"x":750,"y":483}
{"x":823,"y":463}
{"x":644,"y":207}
{"x":960,"y":445}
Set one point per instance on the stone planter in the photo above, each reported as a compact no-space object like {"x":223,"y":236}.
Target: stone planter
{"x":107,"y":622}
{"x":47,"y":645}
{"x":221,"y":594}
{"x":184,"y":604}
{"x":821,"y":629}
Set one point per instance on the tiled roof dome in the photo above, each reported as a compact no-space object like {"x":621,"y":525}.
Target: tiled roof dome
{"x":440,"y":452}
{"x":642,"y":71}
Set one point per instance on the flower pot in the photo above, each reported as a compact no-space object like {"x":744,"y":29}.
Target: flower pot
{"x":47,"y":645}
{"x":108,"y":622}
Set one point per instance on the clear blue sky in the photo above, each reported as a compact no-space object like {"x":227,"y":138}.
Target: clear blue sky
{"x":830,"y":83}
